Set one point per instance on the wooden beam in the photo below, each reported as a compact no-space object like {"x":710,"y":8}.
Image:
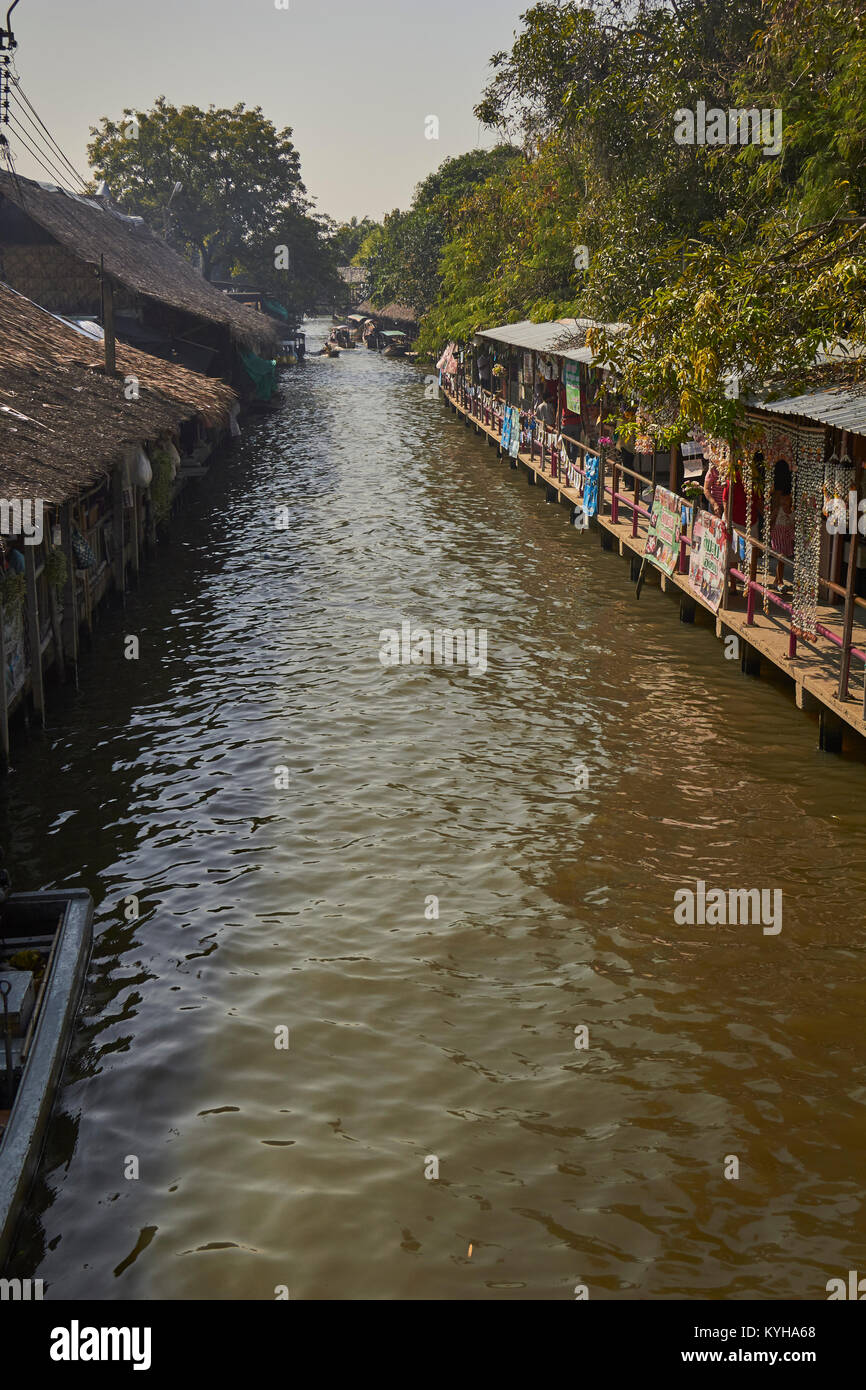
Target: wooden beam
{"x":4,"y":699}
{"x":35,"y":634}
{"x":850,"y":584}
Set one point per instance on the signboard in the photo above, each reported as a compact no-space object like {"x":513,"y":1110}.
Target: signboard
{"x":571,"y":377}
{"x":663,"y":537}
{"x":707,"y":562}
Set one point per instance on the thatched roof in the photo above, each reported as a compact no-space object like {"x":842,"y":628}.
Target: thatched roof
{"x":134,"y":256}
{"x":399,"y":313}
{"x":64,"y":424}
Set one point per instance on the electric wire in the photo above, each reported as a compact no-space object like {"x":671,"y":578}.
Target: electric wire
{"x":53,"y":172}
{"x":22,"y":95}
{"x":45,"y":149}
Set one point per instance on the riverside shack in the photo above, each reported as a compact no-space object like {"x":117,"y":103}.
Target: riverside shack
{"x":538,"y":393}
{"x":84,"y":258}
{"x":89,"y":463}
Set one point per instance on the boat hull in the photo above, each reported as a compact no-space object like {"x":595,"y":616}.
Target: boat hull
{"x":24,"y":1137}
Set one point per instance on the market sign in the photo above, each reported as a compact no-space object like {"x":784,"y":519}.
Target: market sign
{"x":571,"y":377}
{"x":663,"y":537}
{"x":707,"y":561}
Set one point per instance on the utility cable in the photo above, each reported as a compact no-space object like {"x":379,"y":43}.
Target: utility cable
{"x":49,"y":152}
{"x":19,"y":91}
{"x":53,"y":173}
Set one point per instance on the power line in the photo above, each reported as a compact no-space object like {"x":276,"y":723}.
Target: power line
{"x":53,"y":172}
{"x":49,"y":149}
{"x":19,"y":91}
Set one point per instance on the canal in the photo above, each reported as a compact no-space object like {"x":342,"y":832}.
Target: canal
{"x":547,"y":808}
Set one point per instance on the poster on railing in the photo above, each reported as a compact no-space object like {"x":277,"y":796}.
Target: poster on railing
{"x":505,"y":439}
{"x":707,"y":562}
{"x":663,"y":537}
{"x":590,"y":486}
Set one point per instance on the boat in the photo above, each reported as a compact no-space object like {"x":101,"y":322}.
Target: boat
{"x":343,"y":336}
{"x":395,"y":344}
{"x":292,"y":349}
{"x":45,"y":941}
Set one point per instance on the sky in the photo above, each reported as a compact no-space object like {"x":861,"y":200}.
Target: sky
{"x":355,"y":79}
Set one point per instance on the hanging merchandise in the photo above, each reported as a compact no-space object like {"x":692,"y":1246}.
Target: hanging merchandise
{"x":766,"y":531}
{"x":590,"y":486}
{"x":142,"y":473}
{"x":808,"y":517}
{"x":749,"y":489}
{"x":81,"y":551}
{"x":514,"y":440}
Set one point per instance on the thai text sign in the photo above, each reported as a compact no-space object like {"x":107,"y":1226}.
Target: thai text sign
{"x":707,"y":563}
{"x":663,"y":537}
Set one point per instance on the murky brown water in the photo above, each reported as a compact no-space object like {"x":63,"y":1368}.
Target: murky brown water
{"x":305,"y":907}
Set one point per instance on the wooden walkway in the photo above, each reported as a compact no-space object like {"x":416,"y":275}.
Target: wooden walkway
{"x":813,"y":669}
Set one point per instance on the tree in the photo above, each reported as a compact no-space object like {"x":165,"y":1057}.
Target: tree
{"x":346,"y":238}
{"x":239,"y":175}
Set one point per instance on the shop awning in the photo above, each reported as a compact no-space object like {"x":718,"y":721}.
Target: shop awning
{"x":549,"y":337}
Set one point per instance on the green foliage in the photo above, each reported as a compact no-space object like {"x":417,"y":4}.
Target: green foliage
{"x":403,"y":256}
{"x":12,"y":590}
{"x":162,"y":484}
{"x":346,"y":238}
{"x":726,"y":263}
{"x":56,"y":568}
{"x":241,"y":195}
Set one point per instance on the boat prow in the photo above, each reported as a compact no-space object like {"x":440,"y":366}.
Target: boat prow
{"x":54,"y":929}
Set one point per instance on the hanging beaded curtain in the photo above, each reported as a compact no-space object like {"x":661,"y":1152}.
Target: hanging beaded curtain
{"x":767,"y":523}
{"x":838,"y":482}
{"x":775,"y":443}
{"x":808,"y":517}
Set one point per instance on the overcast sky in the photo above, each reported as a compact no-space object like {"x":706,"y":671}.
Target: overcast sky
{"x":355,"y":79}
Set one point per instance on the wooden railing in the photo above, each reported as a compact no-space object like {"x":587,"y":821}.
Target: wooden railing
{"x":487,"y":408}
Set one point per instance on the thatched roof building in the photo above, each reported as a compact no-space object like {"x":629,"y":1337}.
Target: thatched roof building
{"x":396,"y":313}
{"x":91,"y":229}
{"x":63,"y":423}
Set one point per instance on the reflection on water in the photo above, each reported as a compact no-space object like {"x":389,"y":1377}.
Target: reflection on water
{"x":309,"y":907}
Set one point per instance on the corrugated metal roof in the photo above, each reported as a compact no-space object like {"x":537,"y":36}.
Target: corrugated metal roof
{"x":844,"y":407}
{"x":545,"y":337}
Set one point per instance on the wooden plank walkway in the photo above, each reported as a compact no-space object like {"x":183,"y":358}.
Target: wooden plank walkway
{"x":813,"y":671}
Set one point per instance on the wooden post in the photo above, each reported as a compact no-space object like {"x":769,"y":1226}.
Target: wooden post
{"x":848,"y":619}
{"x":117,"y":530}
{"x":70,"y":606}
{"x":34,"y":632}
{"x":56,"y":629}
{"x":729,"y":535}
{"x":108,"y":321}
{"x":4,"y":697}
{"x":674,"y":479}
{"x":136,"y":548}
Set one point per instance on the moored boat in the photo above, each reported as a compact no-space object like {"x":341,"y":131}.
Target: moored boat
{"x":45,"y":941}
{"x":395,"y":344}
